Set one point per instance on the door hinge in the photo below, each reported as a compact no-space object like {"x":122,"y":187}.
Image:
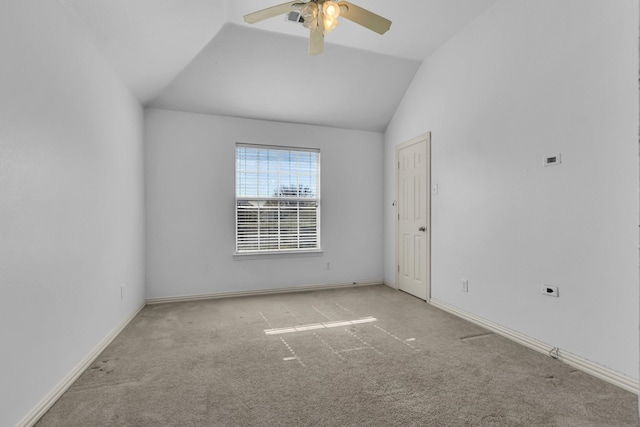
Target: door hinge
{"x":398,"y":165}
{"x":398,"y":268}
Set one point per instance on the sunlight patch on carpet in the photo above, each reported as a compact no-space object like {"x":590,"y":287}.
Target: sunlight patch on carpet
{"x":325,"y":325}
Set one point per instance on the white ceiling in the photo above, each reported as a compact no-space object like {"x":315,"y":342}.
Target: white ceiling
{"x":199,"y":56}
{"x":265,"y":75}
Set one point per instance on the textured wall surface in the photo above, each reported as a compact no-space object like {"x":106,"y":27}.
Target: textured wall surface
{"x":71,"y":202}
{"x":190,"y":206}
{"x":524,"y":81}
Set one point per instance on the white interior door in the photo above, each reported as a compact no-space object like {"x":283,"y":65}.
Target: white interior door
{"x":413,"y":207}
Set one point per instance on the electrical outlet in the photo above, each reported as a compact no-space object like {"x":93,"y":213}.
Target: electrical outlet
{"x":328,"y":266}
{"x":465,"y":285}
{"x":551,"y":291}
{"x":553,"y":160}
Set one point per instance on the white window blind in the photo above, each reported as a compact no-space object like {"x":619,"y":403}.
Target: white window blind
{"x":277,"y":199}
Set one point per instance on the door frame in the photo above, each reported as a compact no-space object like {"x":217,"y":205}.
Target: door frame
{"x":427,"y":138}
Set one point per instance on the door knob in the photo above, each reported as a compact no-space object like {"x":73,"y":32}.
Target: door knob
{"x":422,"y":229}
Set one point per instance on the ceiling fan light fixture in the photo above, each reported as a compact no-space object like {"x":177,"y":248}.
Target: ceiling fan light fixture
{"x":331,"y":9}
{"x":330,"y":13}
{"x":309,"y":13}
{"x":321,"y":16}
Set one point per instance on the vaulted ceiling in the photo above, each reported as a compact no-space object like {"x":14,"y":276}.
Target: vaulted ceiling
{"x":200,"y":56}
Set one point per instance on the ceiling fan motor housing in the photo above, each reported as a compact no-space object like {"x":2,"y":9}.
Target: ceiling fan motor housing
{"x":294,"y":16}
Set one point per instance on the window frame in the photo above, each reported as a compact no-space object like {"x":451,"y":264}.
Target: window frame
{"x":248,"y":254}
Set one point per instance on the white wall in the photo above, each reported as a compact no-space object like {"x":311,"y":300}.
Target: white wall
{"x":190,"y":205}
{"x":525,"y":80}
{"x":71,"y":202}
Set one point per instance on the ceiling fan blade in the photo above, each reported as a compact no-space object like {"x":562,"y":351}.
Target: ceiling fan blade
{"x":316,"y":40}
{"x":363,"y":17}
{"x":269,"y":12}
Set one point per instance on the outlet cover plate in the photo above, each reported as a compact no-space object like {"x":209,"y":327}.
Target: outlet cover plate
{"x":552,"y":160}
{"x":464,"y":285}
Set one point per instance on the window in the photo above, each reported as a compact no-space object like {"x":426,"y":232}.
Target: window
{"x":277,"y":199}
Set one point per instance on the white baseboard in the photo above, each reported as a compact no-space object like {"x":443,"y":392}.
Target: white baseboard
{"x":164,"y":300}
{"x":391,"y":285}
{"x":46,"y":403}
{"x":584,"y":365}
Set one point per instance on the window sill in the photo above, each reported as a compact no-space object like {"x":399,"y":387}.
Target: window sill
{"x":242,"y":256}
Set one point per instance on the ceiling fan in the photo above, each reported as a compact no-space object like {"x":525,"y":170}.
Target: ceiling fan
{"x":321,"y":16}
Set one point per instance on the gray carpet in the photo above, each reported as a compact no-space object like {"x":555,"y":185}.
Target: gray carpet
{"x":211,"y":363}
